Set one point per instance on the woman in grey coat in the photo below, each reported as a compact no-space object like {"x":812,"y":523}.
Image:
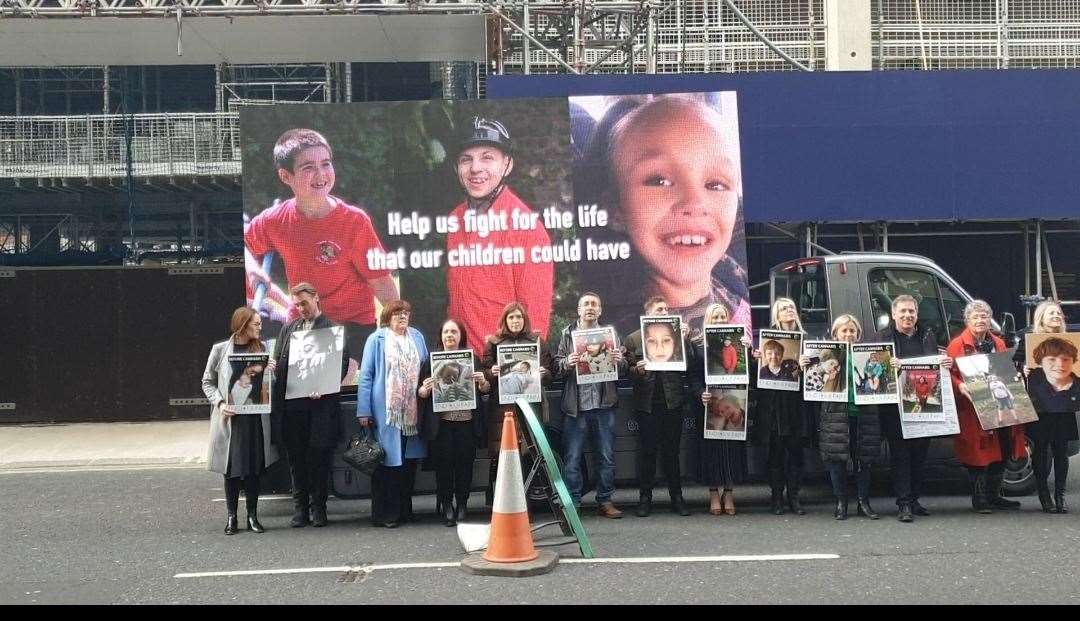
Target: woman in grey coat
{"x":240,"y":447}
{"x":849,"y":434}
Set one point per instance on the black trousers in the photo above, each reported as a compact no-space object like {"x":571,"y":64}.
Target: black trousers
{"x":251,"y":493}
{"x":659,"y":431}
{"x":1043,"y":449}
{"x":785,"y":463}
{"x":392,"y":490}
{"x":308,"y":465}
{"x":906,"y":459}
{"x":454,"y":450}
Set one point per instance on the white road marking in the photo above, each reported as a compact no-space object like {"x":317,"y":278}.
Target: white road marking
{"x":100,"y":468}
{"x":731,"y":558}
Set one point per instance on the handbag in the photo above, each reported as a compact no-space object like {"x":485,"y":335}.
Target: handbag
{"x":363,"y":451}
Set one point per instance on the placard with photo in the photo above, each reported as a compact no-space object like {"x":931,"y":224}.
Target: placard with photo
{"x":519,"y":373}
{"x":594,"y":347}
{"x":725,"y":416}
{"x":997,"y":390}
{"x":826,"y":378}
{"x":454,"y":386}
{"x":725,"y":355}
{"x":662,"y":343}
{"x":315,"y":362}
{"x":249,"y":383}
{"x":925,"y":395}
{"x":874,"y":369}
{"x":778,"y":368}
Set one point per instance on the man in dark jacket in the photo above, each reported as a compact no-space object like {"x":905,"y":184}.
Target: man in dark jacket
{"x":907,"y":457}
{"x":307,"y":426}
{"x":588,"y":406}
{"x":658,"y":409}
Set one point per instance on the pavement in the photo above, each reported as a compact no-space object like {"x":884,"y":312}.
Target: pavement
{"x":100,"y":445}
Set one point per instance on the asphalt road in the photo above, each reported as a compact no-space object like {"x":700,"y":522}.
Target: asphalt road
{"x":123,"y":536}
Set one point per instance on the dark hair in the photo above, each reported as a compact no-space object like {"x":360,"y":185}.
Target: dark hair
{"x":502,"y":332}
{"x":292,"y":142}
{"x":653,"y":301}
{"x":390,"y":308}
{"x":1054,"y":346}
{"x":463,"y":343}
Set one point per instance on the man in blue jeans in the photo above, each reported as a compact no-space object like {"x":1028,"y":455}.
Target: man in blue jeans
{"x":588,"y":407}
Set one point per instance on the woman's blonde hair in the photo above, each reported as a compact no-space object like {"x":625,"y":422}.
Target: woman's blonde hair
{"x":711,"y":309}
{"x":842,"y":321}
{"x":774,"y":313}
{"x":1039,"y":318}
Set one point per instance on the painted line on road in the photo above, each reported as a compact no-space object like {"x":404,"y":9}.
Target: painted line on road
{"x":730,"y":558}
{"x":102,"y":468}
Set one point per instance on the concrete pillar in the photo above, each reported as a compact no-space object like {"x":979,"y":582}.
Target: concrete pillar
{"x":847,"y":35}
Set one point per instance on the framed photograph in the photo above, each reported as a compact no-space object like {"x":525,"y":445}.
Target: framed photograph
{"x":519,"y":373}
{"x":1039,"y":347}
{"x":997,"y":390}
{"x":662,"y":343}
{"x":454,"y":387}
{"x":725,"y":416}
{"x":725,"y":355}
{"x":826,"y":379}
{"x":779,"y":365}
{"x":594,"y":346}
{"x":315,"y":362}
{"x":874,"y":369}
{"x":925,"y":396}
{"x":250,"y":383}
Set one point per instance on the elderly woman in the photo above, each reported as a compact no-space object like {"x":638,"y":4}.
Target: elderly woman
{"x":387,"y":398}
{"x":454,"y":435}
{"x":240,"y":447}
{"x":780,"y":421}
{"x":849,"y":434}
{"x":982,"y":452}
{"x":1055,"y":393}
{"x":722,"y":463}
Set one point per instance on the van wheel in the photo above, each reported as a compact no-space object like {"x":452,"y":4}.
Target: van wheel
{"x":1019,"y":474}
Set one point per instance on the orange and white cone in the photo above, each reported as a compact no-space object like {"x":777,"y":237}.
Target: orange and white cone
{"x":511,"y":535}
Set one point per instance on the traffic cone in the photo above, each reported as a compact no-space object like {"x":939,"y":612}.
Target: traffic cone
{"x":511,"y":535}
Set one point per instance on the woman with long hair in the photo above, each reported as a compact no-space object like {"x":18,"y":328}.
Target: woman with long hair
{"x":454,"y":436}
{"x":240,"y":447}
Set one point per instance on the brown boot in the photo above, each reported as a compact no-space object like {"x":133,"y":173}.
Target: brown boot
{"x":609,"y":510}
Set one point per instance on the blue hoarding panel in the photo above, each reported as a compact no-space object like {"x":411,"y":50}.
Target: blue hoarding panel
{"x":860,"y":146}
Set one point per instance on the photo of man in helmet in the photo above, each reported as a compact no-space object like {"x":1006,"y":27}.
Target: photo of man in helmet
{"x":478,"y":293}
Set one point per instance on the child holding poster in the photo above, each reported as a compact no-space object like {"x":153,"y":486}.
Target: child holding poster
{"x":648,"y":158}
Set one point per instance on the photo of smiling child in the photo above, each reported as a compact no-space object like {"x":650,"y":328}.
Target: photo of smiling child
{"x":875,"y":373}
{"x":725,"y":416}
{"x":779,"y":368}
{"x":667,"y":170}
{"x":725,"y":355}
{"x":595,"y":345}
{"x":662,"y":343}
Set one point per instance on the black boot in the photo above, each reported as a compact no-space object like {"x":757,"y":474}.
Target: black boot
{"x":840,"y":512}
{"x":1059,"y":502}
{"x":978,"y":492}
{"x":447,"y":513}
{"x":793,"y":502}
{"x":678,"y":505}
{"x":1044,"y":497}
{"x":254,"y":525}
{"x":231,"y":526}
{"x":918,"y":509}
{"x":644,"y":505}
{"x":461,"y":510}
{"x":993,"y":493}
{"x":300,"y":516}
{"x":905,"y":513}
{"x":777,"y":502}
{"x":318,"y":516}
{"x":866,"y":510}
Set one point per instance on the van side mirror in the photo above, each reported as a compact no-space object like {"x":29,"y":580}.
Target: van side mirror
{"x":1008,"y":328}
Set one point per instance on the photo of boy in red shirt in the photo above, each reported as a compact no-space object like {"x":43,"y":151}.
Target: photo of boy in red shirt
{"x":320,"y":239}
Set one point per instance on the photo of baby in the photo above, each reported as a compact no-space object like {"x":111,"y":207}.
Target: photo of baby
{"x":454,"y":387}
{"x":646,"y":158}
{"x":595,"y":346}
{"x":826,"y":377}
{"x":519,"y":373}
{"x":662,"y":342}
{"x":725,"y":416}
{"x":874,"y":373}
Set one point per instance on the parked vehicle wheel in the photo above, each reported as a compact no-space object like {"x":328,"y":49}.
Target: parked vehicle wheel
{"x":1020,"y":474}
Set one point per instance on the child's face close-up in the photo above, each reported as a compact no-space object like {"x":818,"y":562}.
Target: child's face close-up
{"x":593,"y":349}
{"x":312,"y":177}
{"x":659,"y":343}
{"x":1057,"y":368}
{"x":481,"y":169}
{"x":679,"y":194}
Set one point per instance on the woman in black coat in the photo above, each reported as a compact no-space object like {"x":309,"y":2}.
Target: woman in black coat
{"x":849,"y":434}
{"x":453,"y":436}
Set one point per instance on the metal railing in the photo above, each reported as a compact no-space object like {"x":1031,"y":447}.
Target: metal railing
{"x":95,"y":146}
